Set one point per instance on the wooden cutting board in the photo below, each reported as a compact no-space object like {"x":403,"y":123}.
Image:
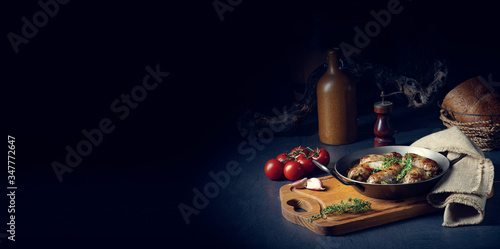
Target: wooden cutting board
{"x":297,"y":205}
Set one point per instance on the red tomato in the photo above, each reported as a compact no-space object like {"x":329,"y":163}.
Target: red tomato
{"x":322,"y":156}
{"x":273,"y":169}
{"x":299,"y":152}
{"x":283,"y":158}
{"x":293,"y":171}
{"x":307,"y":164}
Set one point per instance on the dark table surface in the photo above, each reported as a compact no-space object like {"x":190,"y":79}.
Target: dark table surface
{"x":132,"y":206}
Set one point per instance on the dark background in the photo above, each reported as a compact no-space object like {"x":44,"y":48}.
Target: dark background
{"x":86,"y":56}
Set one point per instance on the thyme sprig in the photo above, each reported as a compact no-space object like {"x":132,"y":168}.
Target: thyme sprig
{"x":407,"y":165}
{"x":354,"y":206}
{"x":406,"y":168}
{"x":388,"y":161}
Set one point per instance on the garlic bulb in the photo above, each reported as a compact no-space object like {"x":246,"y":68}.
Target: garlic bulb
{"x":315,"y":184}
{"x":300,"y":183}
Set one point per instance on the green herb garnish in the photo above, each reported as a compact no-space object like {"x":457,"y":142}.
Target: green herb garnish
{"x":406,"y":168}
{"x":388,"y":161}
{"x":355,"y":206}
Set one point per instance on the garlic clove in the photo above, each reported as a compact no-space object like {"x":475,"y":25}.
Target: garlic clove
{"x":314,"y":184}
{"x":300,"y":183}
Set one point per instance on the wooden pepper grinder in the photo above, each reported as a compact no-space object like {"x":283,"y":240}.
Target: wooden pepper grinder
{"x":383,"y":128}
{"x":337,"y":116}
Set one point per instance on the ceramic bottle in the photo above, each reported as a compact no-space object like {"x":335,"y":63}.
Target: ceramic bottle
{"x":336,"y":100}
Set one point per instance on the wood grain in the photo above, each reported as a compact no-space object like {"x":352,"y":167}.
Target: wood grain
{"x":297,"y":205}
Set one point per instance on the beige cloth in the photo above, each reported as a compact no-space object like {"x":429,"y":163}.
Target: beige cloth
{"x":463,"y":190}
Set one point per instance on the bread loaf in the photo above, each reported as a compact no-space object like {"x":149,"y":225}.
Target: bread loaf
{"x":474,"y":96}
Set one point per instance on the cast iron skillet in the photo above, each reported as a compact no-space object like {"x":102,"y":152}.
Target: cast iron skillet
{"x":390,"y":191}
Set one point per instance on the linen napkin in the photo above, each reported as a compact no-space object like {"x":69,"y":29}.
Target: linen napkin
{"x":462,"y":192}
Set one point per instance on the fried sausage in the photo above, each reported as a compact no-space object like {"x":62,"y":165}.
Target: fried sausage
{"x":369,"y":163}
{"x":387,"y":175}
{"x":415,"y":175}
{"x":424,"y":163}
{"x":375,"y":160}
{"x":360,"y":172}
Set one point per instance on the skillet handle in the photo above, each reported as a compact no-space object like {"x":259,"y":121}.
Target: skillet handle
{"x":453,"y":161}
{"x":324,"y":168}
{"x":462,"y":155}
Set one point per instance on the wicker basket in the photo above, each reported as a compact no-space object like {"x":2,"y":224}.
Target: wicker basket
{"x":485,"y":134}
